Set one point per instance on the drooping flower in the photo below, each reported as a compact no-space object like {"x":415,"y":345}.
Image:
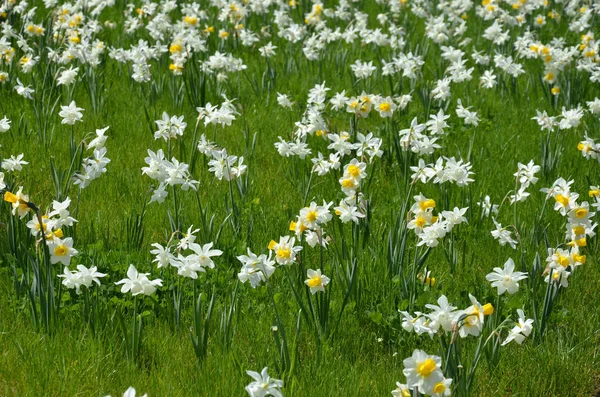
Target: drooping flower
{"x":521,"y":330}
{"x":19,"y":202}
{"x":255,"y":269}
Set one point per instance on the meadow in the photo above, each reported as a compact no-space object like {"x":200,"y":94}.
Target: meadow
{"x":362,"y":197}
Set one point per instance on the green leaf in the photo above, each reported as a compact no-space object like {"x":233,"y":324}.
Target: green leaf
{"x":403,"y":305}
{"x":376,"y":317}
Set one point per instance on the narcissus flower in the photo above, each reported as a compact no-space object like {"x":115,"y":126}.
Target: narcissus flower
{"x":100,"y":139}
{"x":268,"y":50}
{"x":188,"y":238}
{"x":138,"y":283}
{"x":315,"y":215}
{"x":443,"y":314}
{"x":580,"y":215}
{"x":473,"y":318}
{"x":169,"y":127}
{"x":506,"y":279}
{"x":4,"y":124}
{"x":422,"y":371}
{"x":521,"y":330}
{"x":441,"y":388}
{"x":385,"y":106}
{"x":565,"y":200}
{"x":61,"y":211}
{"x":162,"y":256}
{"x":558,"y":275}
{"x":348,"y":212}
{"x":14,"y":163}
{"x":35,"y":227}
{"x":82,"y":277}
{"x":284,"y":101}
{"x":205,"y":253}
{"x":422,"y":203}
{"x":487,"y":207}
{"x":316,"y":280}
{"x":559,"y":257}
{"x":420,"y":220}
{"x":255,"y":269}
{"x":23,"y":91}
{"x":401,"y":390}
{"x":70,"y":114}
{"x":68,"y":76}
{"x":62,"y":250}
{"x":19,"y":202}
{"x":131,"y":393}
{"x":264,"y":385}
{"x":315,"y":237}
{"x":503,"y":235}
{"x":285,"y":251}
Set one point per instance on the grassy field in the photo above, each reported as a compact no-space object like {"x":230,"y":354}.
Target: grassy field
{"x":348,"y":340}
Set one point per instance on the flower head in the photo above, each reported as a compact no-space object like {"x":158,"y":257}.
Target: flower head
{"x":521,"y":330}
{"x":138,"y":283}
{"x":423,"y":371}
{"x":264,"y":385}
{"x":70,"y":114}
{"x":506,"y":279}
{"x":316,"y":281}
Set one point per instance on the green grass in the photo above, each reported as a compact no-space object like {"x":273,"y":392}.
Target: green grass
{"x":365,"y":356}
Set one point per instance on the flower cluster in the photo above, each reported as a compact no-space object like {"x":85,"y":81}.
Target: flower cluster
{"x":223,"y":115}
{"x":138,"y":283}
{"x":446,"y":318}
{"x":94,"y":167}
{"x":82,"y":277}
{"x":525,"y":177}
{"x":579,"y":226}
{"x":256,"y":269}
{"x":167,"y":173}
{"x":13,"y":164}
{"x":353,"y":206}
{"x":503,"y":235}
{"x":169,"y":127}
{"x":226,"y":166}
{"x":310,"y":222}
{"x":443,"y":170}
{"x":431,"y":229}
{"x":187,"y":256}
{"x":53,"y":222}
{"x":589,"y":148}
{"x":430,"y":103}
